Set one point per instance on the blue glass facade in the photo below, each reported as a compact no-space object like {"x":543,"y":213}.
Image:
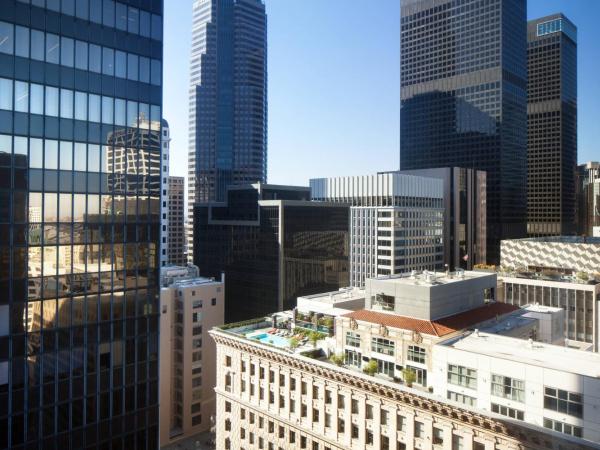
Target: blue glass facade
{"x":80,"y":120}
{"x":464,"y":98}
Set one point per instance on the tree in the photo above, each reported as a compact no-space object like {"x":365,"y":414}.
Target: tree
{"x":313,"y":337}
{"x":294,"y":343}
{"x":409,"y":376}
{"x":370,"y":368}
{"x":337,"y":359}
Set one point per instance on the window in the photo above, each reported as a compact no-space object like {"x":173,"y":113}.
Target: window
{"x":132,"y":67}
{"x":67,"y":52}
{"x":419,"y":430}
{"x":81,"y":55}
{"x":507,"y":387}
{"x":37,"y":45}
{"x":22,"y":42}
{"x":6,"y":94}
{"x":369,"y":411}
{"x":384,"y":302}
{"x":352,"y":339}
{"x":95,"y":58}
{"x":354,"y":407}
{"x":341,"y":425}
{"x":401,"y":422}
{"x":383,"y":346}
{"x":384,"y":417}
{"x":438,"y":436}
{"x":461,"y":398}
{"x":52,"y":48}
{"x":416,"y":354}
{"x":420,"y":374}
{"x":563,"y":401}
{"x":352,"y":358}
{"x":562,"y":427}
{"x":6,"y":38}
{"x":213,"y":302}
{"x":457,"y":442}
{"x":508,"y":412}
{"x":462,"y":376}
{"x":385,"y":368}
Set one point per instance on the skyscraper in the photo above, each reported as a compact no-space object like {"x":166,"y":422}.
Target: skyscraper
{"x":588,"y":199}
{"x":80,"y":111}
{"x":552,"y":126}
{"x":177,"y":253}
{"x":464,"y":99}
{"x":228,"y":99}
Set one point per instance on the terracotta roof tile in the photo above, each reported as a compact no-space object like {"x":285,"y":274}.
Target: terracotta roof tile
{"x":439,"y":327}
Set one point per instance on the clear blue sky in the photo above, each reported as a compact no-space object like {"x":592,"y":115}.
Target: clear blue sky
{"x":334,"y":75}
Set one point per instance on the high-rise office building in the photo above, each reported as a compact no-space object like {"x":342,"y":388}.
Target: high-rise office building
{"x":588,"y":199}
{"x":274,"y":245}
{"x":396,"y":222}
{"x":80,"y":119}
{"x":228,"y":99}
{"x":464,"y":99}
{"x":552,"y":126}
{"x":465,"y":215}
{"x":164,"y":193}
{"x":176,"y":238}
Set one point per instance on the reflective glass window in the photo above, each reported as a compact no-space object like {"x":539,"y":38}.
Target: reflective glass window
{"x":133,"y":25}
{"x":67,"y":52}
{"x":145,"y":23}
{"x":66,"y":103}
{"x":144,"y":114}
{"x":35,"y":207}
{"x":6,"y":94}
{"x":36,"y":99}
{"x":95,"y":59}
{"x":144,"y":70}
{"x":20,"y":147}
{"x":94,"y":108}
{"x":121,"y":17}
{"x":36,"y":153}
{"x":156,"y":72}
{"x":108,"y":16}
{"x":53,"y":5}
{"x":50,"y":210}
{"x":51,"y":101}
{"x":156,"y":27}
{"x":81,"y":103}
{"x":22,"y":42}
{"x":121,"y":64}
{"x":50,"y":154}
{"x":108,"y":61}
{"x":5,"y":143}
{"x":78,"y":207}
{"x":37,"y":45}
{"x":93,"y":158}
{"x":21,"y":96}
{"x":132,"y":114}
{"x":52,"y":48}
{"x":7,"y":31}
{"x":82,"y":9}
{"x":132,"y":67}
{"x":68,"y":7}
{"x":66,"y":155}
{"x":96,"y":11}
{"x":81,"y":55}
{"x":120,"y":115}
{"x":80,"y":157}
{"x":107,"y":110}
{"x":155,"y":114}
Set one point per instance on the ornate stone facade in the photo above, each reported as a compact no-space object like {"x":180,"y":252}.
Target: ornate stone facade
{"x":269,"y":398}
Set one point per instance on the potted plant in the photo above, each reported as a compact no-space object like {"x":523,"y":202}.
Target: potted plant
{"x":337,"y":359}
{"x":409,"y":376}
{"x":370,"y":368}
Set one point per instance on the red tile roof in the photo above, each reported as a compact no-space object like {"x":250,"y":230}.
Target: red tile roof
{"x":439,"y":327}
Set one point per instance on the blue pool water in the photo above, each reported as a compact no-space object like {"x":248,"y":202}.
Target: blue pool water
{"x":277,"y":341}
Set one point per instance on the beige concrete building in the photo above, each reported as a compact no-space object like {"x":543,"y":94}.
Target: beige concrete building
{"x":190,"y":307}
{"x":276,"y":390}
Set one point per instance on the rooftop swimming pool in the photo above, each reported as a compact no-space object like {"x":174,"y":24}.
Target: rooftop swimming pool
{"x":267,"y":338}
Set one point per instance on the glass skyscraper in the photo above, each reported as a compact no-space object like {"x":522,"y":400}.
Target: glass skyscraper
{"x":464,"y":99}
{"x":228,"y":98}
{"x":552,"y":126}
{"x":80,"y":119}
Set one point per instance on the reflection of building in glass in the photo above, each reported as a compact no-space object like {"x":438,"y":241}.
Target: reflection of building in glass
{"x":176,"y":237}
{"x":228,"y":99}
{"x":273,"y":245}
{"x":79,"y":224}
{"x":396,"y":222}
{"x":464,"y":100}
{"x":552,"y":126}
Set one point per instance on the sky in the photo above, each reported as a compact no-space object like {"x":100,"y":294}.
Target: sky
{"x":334,"y":84}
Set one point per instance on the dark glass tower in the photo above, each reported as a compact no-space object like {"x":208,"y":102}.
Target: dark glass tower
{"x":464,"y":100}
{"x":228,"y":98}
{"x":274,"y":245}
{"x":80,"y":110}
{"x":552,"y":124}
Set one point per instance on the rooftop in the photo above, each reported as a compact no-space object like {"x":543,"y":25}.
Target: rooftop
{"x":339,"y":296}
{"x":562,"y":240}
{"x":440,"y":327}
{"x":548,"y":356}
{"x":427,"y":278}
